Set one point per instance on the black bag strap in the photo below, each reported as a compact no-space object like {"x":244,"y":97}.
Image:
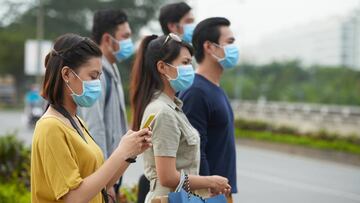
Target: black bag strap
{"x":67,"y":115}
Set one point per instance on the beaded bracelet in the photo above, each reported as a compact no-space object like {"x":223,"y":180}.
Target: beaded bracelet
{"x":186,"y":187}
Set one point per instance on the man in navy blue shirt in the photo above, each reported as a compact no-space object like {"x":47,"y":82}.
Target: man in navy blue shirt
{"x":205,"y":102}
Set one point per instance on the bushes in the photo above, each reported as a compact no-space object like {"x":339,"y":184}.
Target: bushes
{"x":263,"y":126}
{"x":252,"y":125}
{"x":14,"y":170}
{"x":14,"y":192}
{"x":307,"y":141}
{"x":321,"y":140}
{"x":15,"y":160}
{"x":128,"y":194}
{"x":255,"y":125}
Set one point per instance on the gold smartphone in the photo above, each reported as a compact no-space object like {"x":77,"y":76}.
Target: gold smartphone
{"x":149,"y":121}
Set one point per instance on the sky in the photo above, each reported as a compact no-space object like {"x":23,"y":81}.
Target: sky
{"x":253,"y":20}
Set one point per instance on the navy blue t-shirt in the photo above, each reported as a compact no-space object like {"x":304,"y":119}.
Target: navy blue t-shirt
{"x":208,"y":110}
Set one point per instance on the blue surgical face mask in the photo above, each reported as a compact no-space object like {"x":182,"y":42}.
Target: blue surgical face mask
{"x":185,"y":77}
{"x":126,"y":49}
{"x":231,"y":56}
{"x":91,"y":92}
{"x":188,"y":32}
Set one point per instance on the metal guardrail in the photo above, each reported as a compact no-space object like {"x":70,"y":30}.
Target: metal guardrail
{"x":315,"y":114}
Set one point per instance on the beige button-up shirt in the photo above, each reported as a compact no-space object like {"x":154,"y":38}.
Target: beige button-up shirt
{"x":173,"y":136}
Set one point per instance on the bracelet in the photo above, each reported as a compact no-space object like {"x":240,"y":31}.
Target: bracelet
{"x":186,"y":187}
{"x":131,"y":160}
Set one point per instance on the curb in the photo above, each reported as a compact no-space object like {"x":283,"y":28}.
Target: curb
{"x":327,"y":155}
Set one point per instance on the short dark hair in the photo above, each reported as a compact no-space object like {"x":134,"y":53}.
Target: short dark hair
{"x":207,"y":30}
{"x":172,"y":13}
{"x":106,"y":21}
{"x":69,"y":50}
{"x":152,"y":49}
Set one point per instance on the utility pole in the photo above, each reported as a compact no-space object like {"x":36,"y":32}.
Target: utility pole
{"x":39,"y":37}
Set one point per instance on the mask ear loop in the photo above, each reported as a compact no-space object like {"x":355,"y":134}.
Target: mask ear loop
{"x":116,"y":41}
{"x":76,"y":75}
{"x":168,"y":77}
{"x":72,"y":91}
{"x":218,"y":58}
{"x":67,"y":84}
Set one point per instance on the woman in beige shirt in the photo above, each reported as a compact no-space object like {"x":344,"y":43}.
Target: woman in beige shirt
{"x":163,"y":67}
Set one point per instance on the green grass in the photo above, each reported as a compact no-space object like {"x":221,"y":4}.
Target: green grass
{"x":11,"y":108}
{"x":306,"y":141}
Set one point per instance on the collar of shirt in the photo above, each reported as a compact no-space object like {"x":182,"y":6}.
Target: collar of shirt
{"x":106,"y":64}
{"x":175,"y":104}
{"x":112,"y":69}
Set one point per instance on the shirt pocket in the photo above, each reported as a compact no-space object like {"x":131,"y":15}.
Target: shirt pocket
{"x":191,"y":147}
{"x":191,"y":135}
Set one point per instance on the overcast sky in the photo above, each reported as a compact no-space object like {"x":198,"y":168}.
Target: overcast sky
{"x":254,"y":19}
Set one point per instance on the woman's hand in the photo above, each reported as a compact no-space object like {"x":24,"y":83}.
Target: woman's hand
{"x":220,"y":185}
{"x":134,"y":143}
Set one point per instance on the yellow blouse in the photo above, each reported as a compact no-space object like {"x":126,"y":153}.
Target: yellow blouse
{"x":60,"y":160}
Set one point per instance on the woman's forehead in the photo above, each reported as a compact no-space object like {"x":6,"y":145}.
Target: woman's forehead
{"x":93,"y":64}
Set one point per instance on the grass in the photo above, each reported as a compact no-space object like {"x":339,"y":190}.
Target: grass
{"x":11,"y":108}
{"x":14,"y":170}
{"x":14,"y":192}
{"x":301,"y":140}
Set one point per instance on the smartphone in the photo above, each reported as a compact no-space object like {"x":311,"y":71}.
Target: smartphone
{"x":149,"y":121}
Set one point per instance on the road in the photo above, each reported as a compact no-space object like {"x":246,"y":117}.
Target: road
{"x":15,"y":121}
{"x":263,"y":175}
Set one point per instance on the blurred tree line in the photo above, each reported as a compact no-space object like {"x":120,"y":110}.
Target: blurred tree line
{"x":285,"y":81}
{"x":18,"y":23}
{"x":290,"y":81}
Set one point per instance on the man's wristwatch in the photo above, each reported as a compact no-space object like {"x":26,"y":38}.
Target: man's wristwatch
{"x":131,"y":160}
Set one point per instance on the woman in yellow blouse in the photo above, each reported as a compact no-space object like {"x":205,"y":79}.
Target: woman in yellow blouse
{"x":66,"y":163}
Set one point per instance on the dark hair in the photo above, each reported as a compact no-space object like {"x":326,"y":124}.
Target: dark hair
{"x":145,"y":78}
{"x":69,"y":50}
{"x":207,"y":30}
{"x":172,"y":13}
{"x":106,"y":21}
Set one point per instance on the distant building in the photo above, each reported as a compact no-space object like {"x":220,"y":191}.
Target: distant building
{"x":333,"y":41}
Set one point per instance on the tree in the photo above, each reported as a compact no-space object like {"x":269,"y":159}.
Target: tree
{"x":18,"y":23}
{"x":291,"y":82}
